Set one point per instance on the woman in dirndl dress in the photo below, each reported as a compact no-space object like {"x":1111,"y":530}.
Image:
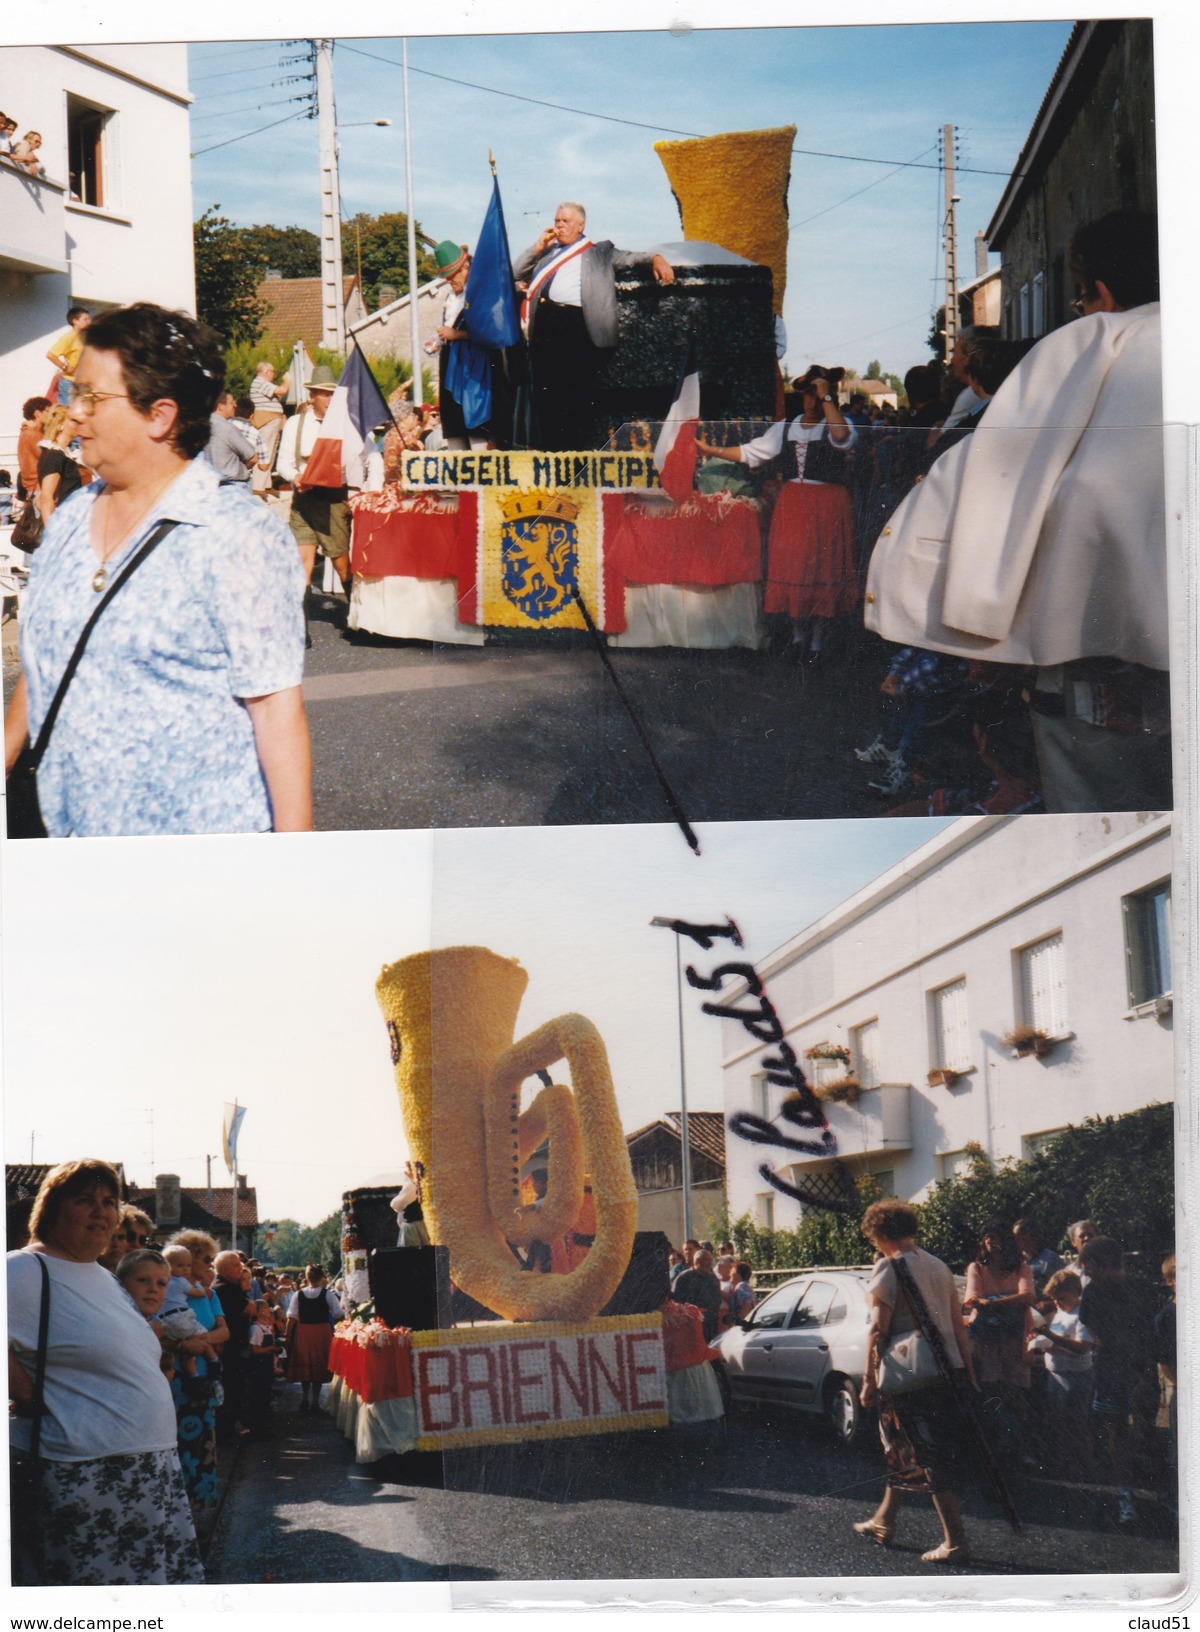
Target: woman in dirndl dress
{"x":920,"y":1431}
{"x":810,"y":553}
{"x":309,"y":1335}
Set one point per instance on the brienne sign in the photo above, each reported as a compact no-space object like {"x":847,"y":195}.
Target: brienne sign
{"x":539,"y":1380}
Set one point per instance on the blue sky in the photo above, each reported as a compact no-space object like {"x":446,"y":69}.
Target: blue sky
{"x":863,"y":275}
{"x":238,"y":968}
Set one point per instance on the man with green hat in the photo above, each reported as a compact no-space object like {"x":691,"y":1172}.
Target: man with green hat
{"x":461,"y":363}
{"x":320,"y":518}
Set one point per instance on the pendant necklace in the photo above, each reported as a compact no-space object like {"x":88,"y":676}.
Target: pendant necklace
{"x":100,"y":576}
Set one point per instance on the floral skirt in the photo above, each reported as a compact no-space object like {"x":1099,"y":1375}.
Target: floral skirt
{"x":922,"y":1437}
{"x":117,"y":1521}
{"x":196,"y":1417}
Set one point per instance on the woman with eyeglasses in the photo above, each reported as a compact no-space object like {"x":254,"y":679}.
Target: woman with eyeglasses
{"x":185,"y":714}
{"x":105,"y":1497}
{"x":134,"y":1229}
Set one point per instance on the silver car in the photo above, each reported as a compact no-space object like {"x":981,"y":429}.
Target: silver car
{"x":803,"y":1347}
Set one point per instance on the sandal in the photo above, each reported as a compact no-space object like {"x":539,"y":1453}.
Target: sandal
{"x":947,"y":1553}
{"x":877,"y":1532}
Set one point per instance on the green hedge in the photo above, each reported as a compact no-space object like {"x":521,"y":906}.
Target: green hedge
{"x":1117,"y":1170}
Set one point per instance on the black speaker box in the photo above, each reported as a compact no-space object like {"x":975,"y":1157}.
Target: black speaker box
{"x":411,"y":1286}
{"x":646,"y":1284}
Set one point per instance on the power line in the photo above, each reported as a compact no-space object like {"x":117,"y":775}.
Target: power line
{"x":199,"y":153}
{"x":639,"y":124}
{"x":859,"y":191}
{"x":254,"y":107}
{"x":231,"y":73}
{"x":840,"y":345}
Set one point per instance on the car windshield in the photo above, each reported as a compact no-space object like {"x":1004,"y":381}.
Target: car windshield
{"x":773,"y":1312}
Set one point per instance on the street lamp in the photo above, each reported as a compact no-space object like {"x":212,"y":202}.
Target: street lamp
{"x":685,"y":1148}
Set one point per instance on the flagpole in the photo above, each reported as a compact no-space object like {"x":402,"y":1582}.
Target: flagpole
{"x":413,"y":315}
{"x":233,"y":1206}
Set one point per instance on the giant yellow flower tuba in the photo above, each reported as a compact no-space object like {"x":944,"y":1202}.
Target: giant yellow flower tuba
{"x":451,"y":1016}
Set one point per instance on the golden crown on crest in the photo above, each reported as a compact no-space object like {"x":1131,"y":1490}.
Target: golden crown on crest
{"x":529,"y":505}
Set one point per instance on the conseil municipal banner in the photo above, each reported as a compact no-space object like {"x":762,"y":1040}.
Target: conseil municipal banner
{"x":539,"y":529}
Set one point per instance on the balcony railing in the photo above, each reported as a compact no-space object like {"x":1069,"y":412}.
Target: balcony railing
{"x":33,"y":232}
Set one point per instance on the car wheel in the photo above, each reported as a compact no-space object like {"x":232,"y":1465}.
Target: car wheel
{"x":726,"y":1391}
{"x":843,"y":1410}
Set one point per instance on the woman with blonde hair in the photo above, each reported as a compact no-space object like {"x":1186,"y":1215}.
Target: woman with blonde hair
{"x":59,"y":474}
{"x":920,"y":1430}
{"x":101,"y":1496}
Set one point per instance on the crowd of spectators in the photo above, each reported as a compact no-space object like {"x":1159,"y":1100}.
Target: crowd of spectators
{"x":1072,"y":1359}
{"x":203,"y":1342}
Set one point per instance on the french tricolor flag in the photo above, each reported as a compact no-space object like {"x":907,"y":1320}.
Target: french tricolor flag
{"x":356,"y":408}
{"x":675,"y":450}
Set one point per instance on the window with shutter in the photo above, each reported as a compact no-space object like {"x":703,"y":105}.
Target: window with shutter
{"x":951,"y":1035}
{"x":864,"y":1048}
{"x":1043,"y":986}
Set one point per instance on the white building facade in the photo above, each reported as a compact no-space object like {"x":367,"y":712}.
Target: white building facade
{"x":111,"y":221}
{"x":1005,"y":981}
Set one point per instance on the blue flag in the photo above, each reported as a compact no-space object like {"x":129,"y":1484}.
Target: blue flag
{"x":490,"y":313}
{"x":365,"y":402}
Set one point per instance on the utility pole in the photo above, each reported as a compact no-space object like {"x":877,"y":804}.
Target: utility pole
{"x":233,"y":1207}
{"x":414,"y":317}
{"x":333,"y":309}
{"x":950,"y":239}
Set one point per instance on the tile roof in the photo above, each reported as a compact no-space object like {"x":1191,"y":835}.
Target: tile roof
{"x":23,"y":1180}
{"x":294,"y":308}
{"x":194,"y":1210}
{"x":706,"y":1132}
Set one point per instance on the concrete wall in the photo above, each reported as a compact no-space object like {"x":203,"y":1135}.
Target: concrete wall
{"x":388,"y":332}
{"x":663,"y":1210}
{"x":964,"y":906}
{"x":136,"y":246}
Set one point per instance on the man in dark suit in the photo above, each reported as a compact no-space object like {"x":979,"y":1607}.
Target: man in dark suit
{"x":571,"y":320}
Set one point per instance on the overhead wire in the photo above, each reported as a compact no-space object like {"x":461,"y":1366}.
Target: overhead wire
{"x":248,"y":133}
{"x":637,"y":124}
{"x":256,"y":107}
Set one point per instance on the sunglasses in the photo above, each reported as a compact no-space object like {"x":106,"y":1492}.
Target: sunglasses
{"x":133,"y":1235}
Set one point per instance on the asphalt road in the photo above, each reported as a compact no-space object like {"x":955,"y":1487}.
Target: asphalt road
{"x":533,"y":731}
{"x":768,"y":1496}
{"x":405,"y":735}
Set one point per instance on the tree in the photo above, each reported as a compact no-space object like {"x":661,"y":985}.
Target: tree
{"x":382,"y":242}
{"x":300,"y":1244}
{"x":873,"y":370}
{"x":293,"y":252}
{"x":227,"y":278}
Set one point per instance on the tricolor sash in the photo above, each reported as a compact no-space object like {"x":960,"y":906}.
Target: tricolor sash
{"x":542,"y":277}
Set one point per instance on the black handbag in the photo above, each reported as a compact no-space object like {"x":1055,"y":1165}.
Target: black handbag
{"x":29,"y":528}
{"x":23,"y":809}
{"x":24,"y":1467}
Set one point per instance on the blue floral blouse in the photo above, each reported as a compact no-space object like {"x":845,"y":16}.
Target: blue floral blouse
{"x":153,"y":736}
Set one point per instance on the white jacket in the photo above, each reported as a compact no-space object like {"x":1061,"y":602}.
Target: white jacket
{"x":1041,"y":538}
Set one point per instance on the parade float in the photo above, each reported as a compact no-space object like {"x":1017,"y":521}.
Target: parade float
{"x":486,"y":544}
{"x":537,"y":1312}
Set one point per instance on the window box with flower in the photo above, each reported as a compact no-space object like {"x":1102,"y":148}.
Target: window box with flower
{"x":1023,"y":1041}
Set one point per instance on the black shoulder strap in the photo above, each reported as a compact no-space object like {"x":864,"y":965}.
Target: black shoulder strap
{"x":39,"y":1379}
{"x":155,"y":538}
